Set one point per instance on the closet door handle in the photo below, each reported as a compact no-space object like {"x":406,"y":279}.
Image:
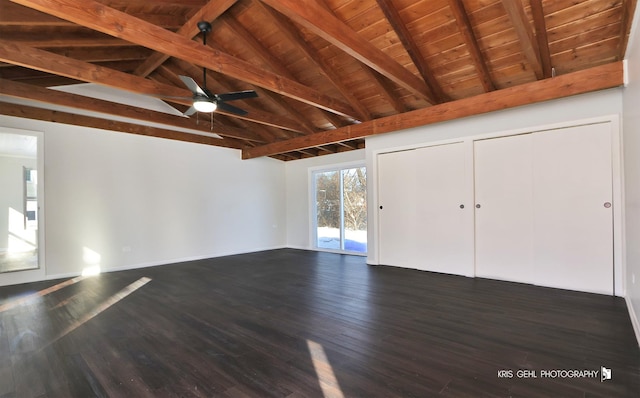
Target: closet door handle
{"x":607,"y":205}
{"x":478,"y":206}
{"x":462,"y":206}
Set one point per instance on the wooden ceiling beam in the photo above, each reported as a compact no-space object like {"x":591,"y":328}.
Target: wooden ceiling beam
{"x":64,"y":40}
{"x":465,"y":28}
{"x":334,"y":120}
{"x":13,"y":14}
{"x":211,"y":11}
{"x":166,"y":21}
{"x":94,"y":15}
{"x":47,"y":115}
{"x":292,"y":33}
{"x":289,"y":156}
{"x":584,"y":81}
{"x":165,"y":74}
{"x":51,"y":81}
{"x":258,"y":130}
{"x":412,"y":48}
{"x":541,"y":36}
{"x":528,"y":43}
{"x":140,"y":3}
{"x":325,"y":149}
{"x":56,"y":64}
{"x":266,"y":118}
{"x":287,"y":104}
{"x":325,"y":24}
{"x":236,"y":132}
{"x":19,"y":73}
{"x":49,"y":96}
{"x":347,"y":145}
{"x":101,"y":54}
{"x":16,"y":15}
{"x":33,"y":58}
{"x":309,"y":153}
{"x":282,"y":103}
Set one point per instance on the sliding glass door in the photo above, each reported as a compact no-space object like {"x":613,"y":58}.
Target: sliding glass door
{"x":341,"y":209}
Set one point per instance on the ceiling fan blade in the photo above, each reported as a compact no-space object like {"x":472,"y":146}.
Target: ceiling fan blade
{"x":190,"y":111}
{"x":238,"y":95}
{"x":231,"y":109}
{"x":192,"y":85}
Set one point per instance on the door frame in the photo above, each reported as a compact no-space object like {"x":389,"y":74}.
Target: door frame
{"x":313,"y":238}
{"x":39,"y":274}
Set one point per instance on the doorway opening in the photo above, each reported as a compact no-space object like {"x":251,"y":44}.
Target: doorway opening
{"x":19,"y":202}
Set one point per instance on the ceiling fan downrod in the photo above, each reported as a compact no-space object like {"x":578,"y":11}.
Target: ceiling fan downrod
{"x":204,"y":27}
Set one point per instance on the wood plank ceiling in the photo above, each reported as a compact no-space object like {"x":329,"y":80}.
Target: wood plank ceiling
{"x":328,"y":72}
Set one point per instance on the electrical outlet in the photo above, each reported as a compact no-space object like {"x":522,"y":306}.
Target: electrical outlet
{"x":126,"y":249}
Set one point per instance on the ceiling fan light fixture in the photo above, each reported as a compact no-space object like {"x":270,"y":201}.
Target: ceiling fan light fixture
{"x":205,"y":105}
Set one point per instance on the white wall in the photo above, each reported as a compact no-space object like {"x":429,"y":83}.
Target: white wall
{"x":299,"y":191}
{"x":631,"y":140}
{"x":138,"y":201}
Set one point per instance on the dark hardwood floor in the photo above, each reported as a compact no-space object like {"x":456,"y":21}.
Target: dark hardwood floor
{"x":292,"y":323}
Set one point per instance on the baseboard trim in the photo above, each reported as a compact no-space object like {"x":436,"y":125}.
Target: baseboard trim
{"x":298,"y":247}
{"x":163,"y":262}
{"x":315,"y":249}
{"x":634,"y":319}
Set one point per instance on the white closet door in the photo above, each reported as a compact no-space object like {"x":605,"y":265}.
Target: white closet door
{"x":573,"y":221}
{"x":503,"y":214}
{"x":397,"y":207}
{"x":444,"y":233}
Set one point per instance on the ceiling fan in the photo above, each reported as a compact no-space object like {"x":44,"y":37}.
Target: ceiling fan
{"x":203,"y":99}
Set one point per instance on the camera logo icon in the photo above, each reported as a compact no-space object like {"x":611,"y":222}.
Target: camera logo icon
{"x":605,"y":374}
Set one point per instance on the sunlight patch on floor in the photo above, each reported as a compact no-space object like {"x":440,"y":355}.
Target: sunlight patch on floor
{"x":324,"y":371}
{"x":105,"y":305}
{"x":41,"y":293}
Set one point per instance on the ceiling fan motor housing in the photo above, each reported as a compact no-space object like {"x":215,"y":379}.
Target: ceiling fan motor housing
{"x":204,"y":26}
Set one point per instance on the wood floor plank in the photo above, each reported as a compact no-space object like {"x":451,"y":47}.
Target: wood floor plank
{"x":294,"y":323}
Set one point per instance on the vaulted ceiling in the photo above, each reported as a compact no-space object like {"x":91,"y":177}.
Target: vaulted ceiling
{"x":328,"y":73}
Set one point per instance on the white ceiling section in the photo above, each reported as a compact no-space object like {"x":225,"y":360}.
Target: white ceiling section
{"x":112,"y":94}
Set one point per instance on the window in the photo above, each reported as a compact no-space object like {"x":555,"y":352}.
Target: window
{"x":340,"y":209}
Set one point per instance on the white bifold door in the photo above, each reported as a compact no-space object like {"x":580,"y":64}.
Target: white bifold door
{"x":544,"y":208}
{"x":424,"y":221}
